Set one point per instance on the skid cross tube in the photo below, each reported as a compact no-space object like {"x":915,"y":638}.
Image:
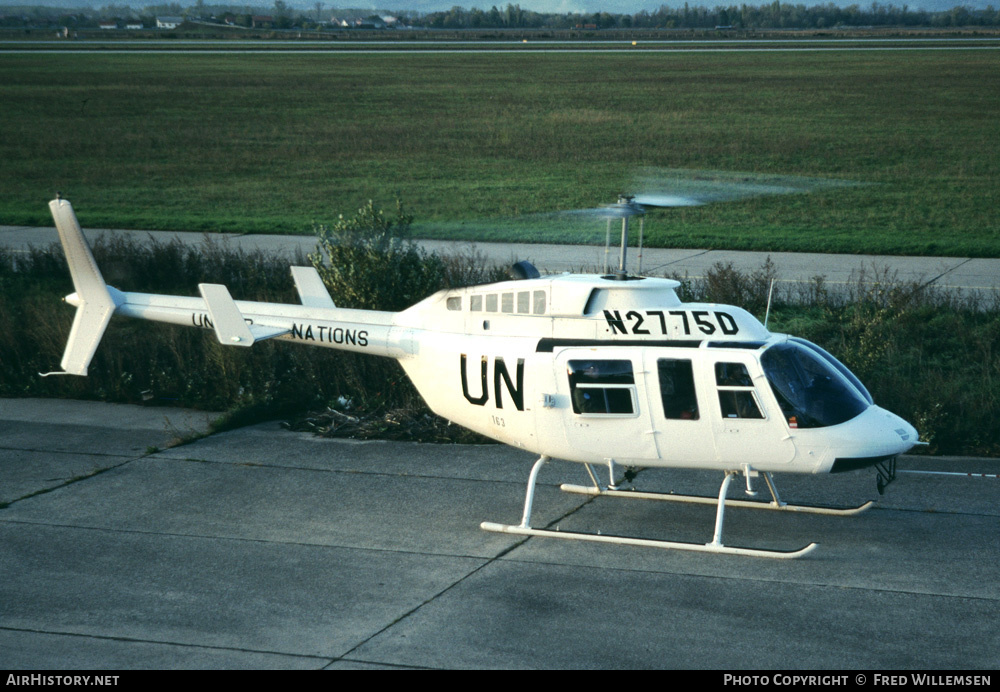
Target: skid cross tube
{"x":720,"y":513}
{"x":529,"y":496}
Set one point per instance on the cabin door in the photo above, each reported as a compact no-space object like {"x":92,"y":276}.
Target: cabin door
{"x":678,"y":390}
{"x":607,"y":415}
{"x":746,"y":430}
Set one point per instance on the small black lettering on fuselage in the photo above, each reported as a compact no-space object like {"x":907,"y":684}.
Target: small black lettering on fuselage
{"x":201,"y":319}
{"x":500,"y":374}
{"x":647,"y":322}
{"x":330,"y":335}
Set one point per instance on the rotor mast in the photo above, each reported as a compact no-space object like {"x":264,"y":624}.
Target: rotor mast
{"x":624,"y":209}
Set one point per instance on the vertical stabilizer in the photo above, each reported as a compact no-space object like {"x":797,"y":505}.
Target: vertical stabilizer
{"x":95,"y":304}
{"x":310,"y":286}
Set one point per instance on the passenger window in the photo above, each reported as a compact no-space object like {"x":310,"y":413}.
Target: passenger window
{"x":602,"y":387}
{"x":677,"y":389}
{"x":476,"y":303}
{"x":507,"y":302}
{"x":491,"y":302}
{"x":523,"y":302}
{"x":539,"y":308}
{"x":736,"y":393}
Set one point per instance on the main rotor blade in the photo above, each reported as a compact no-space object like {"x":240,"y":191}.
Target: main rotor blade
{"x":650,"y":188}
{"x":666,"y":201}
{"x":665,"y":187}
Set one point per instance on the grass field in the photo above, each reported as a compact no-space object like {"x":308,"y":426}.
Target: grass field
{"x":271,"y":143}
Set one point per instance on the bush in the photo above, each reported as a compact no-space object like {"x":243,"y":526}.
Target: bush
{"x":369,"y":262}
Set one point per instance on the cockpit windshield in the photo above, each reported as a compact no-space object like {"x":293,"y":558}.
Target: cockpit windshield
{"x":841,"y":368}
{"x":811,"y":392}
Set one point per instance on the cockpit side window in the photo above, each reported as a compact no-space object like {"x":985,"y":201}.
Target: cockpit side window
{"x":602,"y":387}
{"x":732,"y":375}
{"x":737,"y":398}
{"x":677,"y":389}
{"x":739,"y":404}
{"x":811,"y":392}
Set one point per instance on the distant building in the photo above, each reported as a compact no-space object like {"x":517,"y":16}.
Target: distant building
{"x":108,"y":25}
{"x":133,"y":25}
{"x":169,"y":22}
{"x":259,"y":21}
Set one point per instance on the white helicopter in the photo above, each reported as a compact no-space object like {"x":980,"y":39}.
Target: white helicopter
{"x":608,"y":369}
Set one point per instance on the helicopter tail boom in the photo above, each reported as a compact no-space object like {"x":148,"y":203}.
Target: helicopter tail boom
{"x":317,"y":321}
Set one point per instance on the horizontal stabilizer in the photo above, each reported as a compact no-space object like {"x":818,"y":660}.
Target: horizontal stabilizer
{"x":311,"y":289}
{"x":231,"y":328}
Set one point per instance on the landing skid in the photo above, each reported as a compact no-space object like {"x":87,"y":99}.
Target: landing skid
{"x":715,"y":546}
{"x":647,"y":543}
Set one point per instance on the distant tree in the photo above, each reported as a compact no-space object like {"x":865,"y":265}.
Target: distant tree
{"x":113,"y":11}
{"x":769,"y":14}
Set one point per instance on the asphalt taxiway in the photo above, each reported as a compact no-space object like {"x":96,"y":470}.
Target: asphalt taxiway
{"x":129,"y":539}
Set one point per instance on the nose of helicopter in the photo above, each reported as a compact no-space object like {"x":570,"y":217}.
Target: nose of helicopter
{"x":872,"y":437}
